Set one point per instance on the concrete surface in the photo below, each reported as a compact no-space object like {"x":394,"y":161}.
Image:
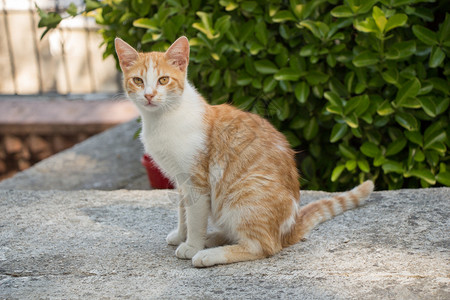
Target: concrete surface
{"x":107,"y":161}
{"x":111,"y":244}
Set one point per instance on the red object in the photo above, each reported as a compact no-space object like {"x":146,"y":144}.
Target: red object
{"x":156,"y":178}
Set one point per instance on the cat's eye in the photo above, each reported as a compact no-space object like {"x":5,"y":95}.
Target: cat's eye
{"x":163,"y":80}
{"x":138,"y":80}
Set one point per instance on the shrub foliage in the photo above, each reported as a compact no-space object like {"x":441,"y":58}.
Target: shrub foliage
{"x":359,"y":87}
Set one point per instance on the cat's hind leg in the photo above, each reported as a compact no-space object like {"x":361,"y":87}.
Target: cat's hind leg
{"x":227,"y":255}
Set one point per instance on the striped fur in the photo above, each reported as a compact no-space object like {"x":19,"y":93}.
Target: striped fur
{"x":322,"y":210}
{"x":229,"y":165}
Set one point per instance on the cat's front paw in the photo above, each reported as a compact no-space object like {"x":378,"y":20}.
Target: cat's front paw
{"x":186,"y":251}
{"x":208,"y":258}
{"x":175,"y":238}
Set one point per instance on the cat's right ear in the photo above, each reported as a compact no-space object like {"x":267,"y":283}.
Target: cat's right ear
{"x":127,"y":55}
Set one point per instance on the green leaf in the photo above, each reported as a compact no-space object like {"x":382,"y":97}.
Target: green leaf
{"x":339,"y":130}
{"x":396,"y":146}
{"x":341,"y":11}
{"x":269,"y":84}
{"x":334,"y":99}
{"x":287,"y":74}
{"x":423,"y":174}
{"x":395,"y":21}
{"x":347,"y":151}
{"x":409,"y":89}
{"x":385,"y":108}
{"x":261,"y":32}
{"x":141,"y":7}
{"x":407,"y":121}
{"x":392,"y":166}
{"x":409,"y":103}
{"x":428,"y":106}
{"x":437,"y":56}
{"x":214,"y":77}
{"x":302,"y":92}
{"x":265,"y":67}
{"x":370,"y":149}
{"x":442,"y":106}
{"x":249,"y":6}
{"x":379,"y":18}
{"x":390,"y":76}
{"x":283,"y":16}
{"x":435,"y":137}
{"x":223,"y":24}
{"x":311,"y":129}
{"x":337,"y":171}
{"x":352,"y":120}
{"x":443,"y":178}
{"x":227,"y":78}
{"x":358,"y":104}
{"x":308,"y":50}
{"x":415,"y":137}
{"x":316,"y":77}
{"x":244,"y":102}
{"x":401,"y":50}
{"x":364,"y":165}
{"x":363,"y":6}
{"x":206,"y":25}
{"x":350,"y":165}
{"x":444,"y":30}
{"x":292,"y":138}
{"x":280,"y":108}
{"x":367,"y":25}
{"x":229,"y":5}
{"x":440,"y":84}
{"x":366,"y":58}
{"x":146,"y":23}
{"x":244,"y":79}
{"x":379,"y":160}
{"x":49,"y":20}
{"x":72,"y":9}
{"x":425,"y":35}
{"x":317,"y":28}
{"x":92,"y":5}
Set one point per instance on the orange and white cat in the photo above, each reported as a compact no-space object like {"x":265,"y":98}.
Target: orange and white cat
{"x":230,"y":165}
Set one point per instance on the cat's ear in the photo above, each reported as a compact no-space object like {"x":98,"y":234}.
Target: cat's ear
{"x":127,"y":55}
{"x":178,"y":54}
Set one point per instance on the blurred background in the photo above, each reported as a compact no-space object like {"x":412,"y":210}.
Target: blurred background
{"x":54,"y":92}
{"x":68,"y":60}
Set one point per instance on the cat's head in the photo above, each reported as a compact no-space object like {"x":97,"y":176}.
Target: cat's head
{"x":154,"y":81}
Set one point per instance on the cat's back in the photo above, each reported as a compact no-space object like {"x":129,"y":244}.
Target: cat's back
{"x":245,"y":143}
{"x":233,"y":127}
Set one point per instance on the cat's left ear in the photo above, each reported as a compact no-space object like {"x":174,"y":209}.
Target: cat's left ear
{"x":178,"y":54}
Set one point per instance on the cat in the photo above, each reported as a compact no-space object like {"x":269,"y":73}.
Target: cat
{"x":229,"y":165}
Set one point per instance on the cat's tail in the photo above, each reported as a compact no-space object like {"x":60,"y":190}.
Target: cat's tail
{"x":319,"y":211}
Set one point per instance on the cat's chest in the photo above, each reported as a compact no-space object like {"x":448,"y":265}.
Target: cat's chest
{"x":174,"y":143}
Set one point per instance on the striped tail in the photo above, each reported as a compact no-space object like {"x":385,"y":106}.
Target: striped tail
{"x":319,"y":211}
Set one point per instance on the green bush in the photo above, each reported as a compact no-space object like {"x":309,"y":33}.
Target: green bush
{"x":360,"y":88}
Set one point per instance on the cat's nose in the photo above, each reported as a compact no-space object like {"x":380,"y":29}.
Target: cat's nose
{"x":149,"y":97}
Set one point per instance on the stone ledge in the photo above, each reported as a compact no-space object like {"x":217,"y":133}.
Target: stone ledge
{"x":19,"y":116}
{"x":111,"y":244}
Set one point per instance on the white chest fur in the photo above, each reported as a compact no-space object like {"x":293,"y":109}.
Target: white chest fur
{"x":174,"y":138}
